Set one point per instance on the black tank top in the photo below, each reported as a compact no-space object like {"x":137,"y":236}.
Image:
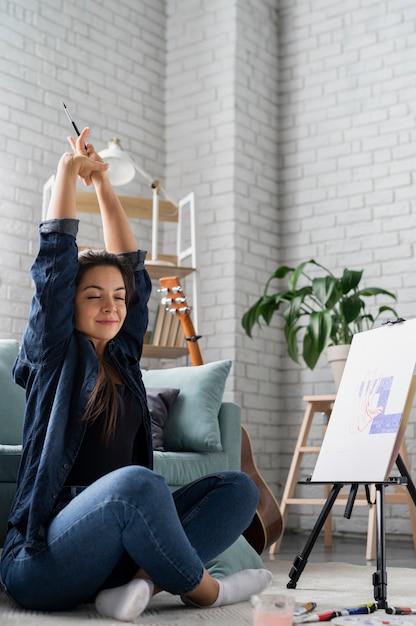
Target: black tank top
{"x":98,"y":457}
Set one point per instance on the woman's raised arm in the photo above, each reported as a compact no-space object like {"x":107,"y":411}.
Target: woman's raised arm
{"x":118,"y":235}
{"x":63,"y":199}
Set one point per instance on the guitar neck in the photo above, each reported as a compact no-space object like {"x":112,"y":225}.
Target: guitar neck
{"x":177,"y":304}
{"x":191,"y":340}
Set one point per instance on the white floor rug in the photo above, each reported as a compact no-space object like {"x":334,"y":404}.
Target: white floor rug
{"x":331,"y":585}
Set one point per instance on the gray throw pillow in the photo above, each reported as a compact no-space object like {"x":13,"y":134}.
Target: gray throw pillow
{"x":159,"y":401}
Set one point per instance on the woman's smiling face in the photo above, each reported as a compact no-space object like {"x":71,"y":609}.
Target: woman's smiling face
{"x":100,"y":305}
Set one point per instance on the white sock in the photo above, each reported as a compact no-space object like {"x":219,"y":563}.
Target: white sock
{"x":127,"y":602}
{"x":238,"y":587}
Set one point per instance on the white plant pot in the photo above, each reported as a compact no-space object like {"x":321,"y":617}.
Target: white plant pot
{"x":337,"y":357}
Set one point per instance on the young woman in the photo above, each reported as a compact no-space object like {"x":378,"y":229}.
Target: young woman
{"x":90,"y":519}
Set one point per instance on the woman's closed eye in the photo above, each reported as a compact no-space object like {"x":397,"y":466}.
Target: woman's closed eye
{"x":116,"y":298}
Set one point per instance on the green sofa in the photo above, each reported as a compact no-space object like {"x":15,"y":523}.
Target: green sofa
{"x":11,"y":420}
{"x":198,"y":434}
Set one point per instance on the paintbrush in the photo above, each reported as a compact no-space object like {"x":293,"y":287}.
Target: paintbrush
{"x":72,"y":122}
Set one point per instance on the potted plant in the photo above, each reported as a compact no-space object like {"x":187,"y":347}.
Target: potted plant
{"x":327,"y":310}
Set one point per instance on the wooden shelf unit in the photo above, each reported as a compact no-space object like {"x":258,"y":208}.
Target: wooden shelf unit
{"x":157,"y":271}
{"x":135,"y":207}
{"x":163,"y":352}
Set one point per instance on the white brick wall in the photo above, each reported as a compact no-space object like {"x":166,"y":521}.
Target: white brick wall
{"x":346,"y":148}
{"x":109,"y":69}
{"x":291,"y":121}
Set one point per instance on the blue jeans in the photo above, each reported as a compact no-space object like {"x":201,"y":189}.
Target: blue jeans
{"x":127,"y":520}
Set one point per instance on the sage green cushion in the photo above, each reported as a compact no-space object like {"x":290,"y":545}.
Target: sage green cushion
{"x":12,"y":396}
{"x":193,"y":419}
{"x":182,"y":468}
{"x":240,"y":555}
{"x":12,"y":410}
{"x":9,"y":462}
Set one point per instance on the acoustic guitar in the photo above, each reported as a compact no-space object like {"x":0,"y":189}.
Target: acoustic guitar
{"x":267,"y":525}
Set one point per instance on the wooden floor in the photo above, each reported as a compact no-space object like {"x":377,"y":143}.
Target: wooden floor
{"x":399,"y":552}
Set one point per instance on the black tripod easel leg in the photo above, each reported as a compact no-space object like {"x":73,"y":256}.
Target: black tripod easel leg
{"x":405,"y":473}
{"x":380,"y":576}
{"x":301,"y":560}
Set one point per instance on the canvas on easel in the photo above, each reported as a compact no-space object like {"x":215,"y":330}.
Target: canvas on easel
{"x":372,"y":407}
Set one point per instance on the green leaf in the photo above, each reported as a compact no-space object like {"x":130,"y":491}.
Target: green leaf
{"x":279,"y":273}
{"x":319,"y":329}
{"x":385,"y":308}
{"x":294,"y":309}
{"x":297,"y":273}
{"x":266,"y":308}
{"x":322,"y":289}
{"x":316,"y":337}
{"x":376,"y":291}
{"x":291,"y":336}
{"x":351,"y":307}
{"x":350,"y":279}
{"x":250,"y":318}
{"x":310,"y":355}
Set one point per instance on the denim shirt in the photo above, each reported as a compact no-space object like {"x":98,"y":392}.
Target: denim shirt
{"x":57,"y":366}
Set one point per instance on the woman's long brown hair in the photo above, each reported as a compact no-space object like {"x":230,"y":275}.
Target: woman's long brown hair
{"x":103,"y":399}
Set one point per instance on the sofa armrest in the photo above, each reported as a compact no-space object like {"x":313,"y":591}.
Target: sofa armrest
{"x":13,"y":400}
{"x":229,"y":419}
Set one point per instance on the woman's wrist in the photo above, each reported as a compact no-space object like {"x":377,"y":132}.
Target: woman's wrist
{"x":101,"y":181}
{"x":70,"y":164}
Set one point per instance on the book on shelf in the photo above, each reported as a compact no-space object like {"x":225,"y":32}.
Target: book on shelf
{"x":166,"y":326}
{"x":180,"y":337}
{"x":167,"y":329}
{"x":157,"y":326}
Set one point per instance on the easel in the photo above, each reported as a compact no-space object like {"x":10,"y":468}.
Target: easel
{"x":322,"y":405}
{"x":370,"y":415}
{"x":380,"y":575}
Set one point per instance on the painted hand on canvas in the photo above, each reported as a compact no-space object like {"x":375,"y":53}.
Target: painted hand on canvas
{"x":370,"y":407}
